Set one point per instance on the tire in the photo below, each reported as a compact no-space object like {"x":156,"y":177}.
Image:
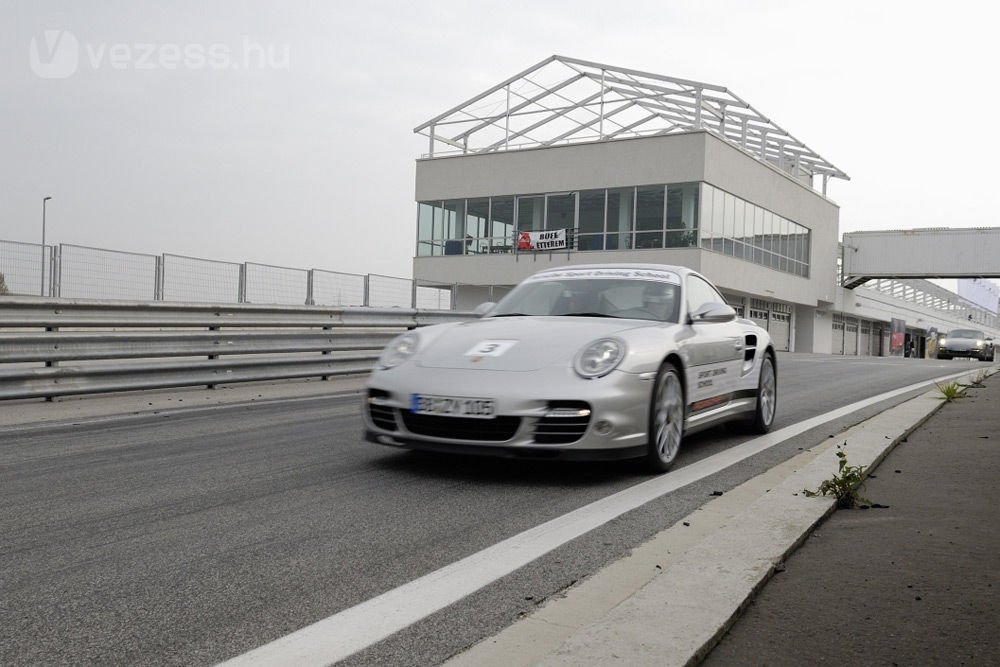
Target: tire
{"x":666,"y":419}
{"x":767,"y":398}
{"x":944,"y":357}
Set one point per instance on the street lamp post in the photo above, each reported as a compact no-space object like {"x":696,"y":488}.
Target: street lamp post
{"x":42,"y":289}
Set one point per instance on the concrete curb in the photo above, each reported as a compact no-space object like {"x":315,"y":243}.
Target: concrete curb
{"x":675,"y":597}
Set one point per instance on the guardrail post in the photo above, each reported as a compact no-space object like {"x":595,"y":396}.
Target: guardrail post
{"x":50,"y":363}
{"x":413,"y":293}
{"x":326,"y":353}
{"x":212,"y":356}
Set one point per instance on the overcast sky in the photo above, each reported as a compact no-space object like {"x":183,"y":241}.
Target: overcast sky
{"x":282,"y":132}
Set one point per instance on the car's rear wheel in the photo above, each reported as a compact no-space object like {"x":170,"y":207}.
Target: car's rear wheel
{"x":666,"y":419}
{"x":767,"y":397}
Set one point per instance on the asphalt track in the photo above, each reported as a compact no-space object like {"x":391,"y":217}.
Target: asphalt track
{"x":194,"y":535}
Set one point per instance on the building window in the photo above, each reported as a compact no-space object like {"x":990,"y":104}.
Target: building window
{"x":744,"y":230}
{"x":560,"y":210}
{"x":648,"y":216}
{"x":502,"y":224}
{"x":590,"y":230}
{"x":620,"y":214}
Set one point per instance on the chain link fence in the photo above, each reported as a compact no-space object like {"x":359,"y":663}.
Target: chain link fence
{"x":71,"y":271}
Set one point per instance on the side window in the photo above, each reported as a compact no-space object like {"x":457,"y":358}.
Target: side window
{"x":699,"y":292}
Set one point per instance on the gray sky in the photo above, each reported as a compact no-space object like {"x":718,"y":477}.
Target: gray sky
{"x":281,"y":132}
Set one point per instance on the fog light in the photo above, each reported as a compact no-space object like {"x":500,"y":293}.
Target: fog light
{"x":603,"y":427}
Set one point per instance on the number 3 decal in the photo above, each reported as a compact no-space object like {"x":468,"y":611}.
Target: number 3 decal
{"x":490,"y":348}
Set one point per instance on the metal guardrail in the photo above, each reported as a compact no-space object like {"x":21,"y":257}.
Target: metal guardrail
{"x":58,"y":347}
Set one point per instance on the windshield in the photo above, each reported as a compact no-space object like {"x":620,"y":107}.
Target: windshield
{"x":965,"y":333}
{"x":640,"y":299}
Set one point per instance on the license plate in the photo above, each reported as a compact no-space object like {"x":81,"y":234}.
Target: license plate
{"x":452,"y":406}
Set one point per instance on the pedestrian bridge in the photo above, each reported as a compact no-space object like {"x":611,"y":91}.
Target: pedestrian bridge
{"x":921,"y":253}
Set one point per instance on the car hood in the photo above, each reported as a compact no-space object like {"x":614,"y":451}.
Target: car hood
{"x":518,"y":343}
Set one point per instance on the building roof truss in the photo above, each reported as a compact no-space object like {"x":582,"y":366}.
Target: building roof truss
{"x":565,"y":100}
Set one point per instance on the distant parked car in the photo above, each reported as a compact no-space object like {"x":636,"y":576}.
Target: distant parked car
{"x":965,"y":343}
{"x":596,"y":362}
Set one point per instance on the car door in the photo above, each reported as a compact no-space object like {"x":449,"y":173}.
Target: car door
{"x":713,"y":351}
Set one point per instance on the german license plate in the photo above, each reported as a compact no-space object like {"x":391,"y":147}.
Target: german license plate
{"x":452,"y":406}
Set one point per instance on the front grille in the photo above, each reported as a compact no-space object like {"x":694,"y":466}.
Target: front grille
{"x":498,"y":429}
{"x":383,"y":416}
{"x":565,"y":422}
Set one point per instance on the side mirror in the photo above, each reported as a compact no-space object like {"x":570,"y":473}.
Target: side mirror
{"x":713,"y":312}
{"x":483,"y":308}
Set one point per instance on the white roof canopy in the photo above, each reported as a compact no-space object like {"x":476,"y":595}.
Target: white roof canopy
{"x":564,"y":100}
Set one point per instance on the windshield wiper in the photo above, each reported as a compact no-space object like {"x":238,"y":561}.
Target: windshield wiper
{"x":588,"y":315}
{"x":510,"y":315}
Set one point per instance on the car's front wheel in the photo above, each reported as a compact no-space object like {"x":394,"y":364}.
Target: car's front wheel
{"x":666,"y":419}
{"x":767,"y":397}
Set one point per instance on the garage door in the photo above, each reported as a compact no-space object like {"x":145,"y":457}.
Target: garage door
{"x":865,"y":342}
{"x":850,"y":336}
{"x":780,"y":330}
{"x":837,"y":338}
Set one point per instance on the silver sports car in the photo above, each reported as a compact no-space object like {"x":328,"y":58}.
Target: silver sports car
{"x":588,"y":362}
{"x":965,"y":343}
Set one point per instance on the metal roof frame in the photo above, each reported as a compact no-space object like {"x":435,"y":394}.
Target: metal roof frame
{"x":565,"y":100}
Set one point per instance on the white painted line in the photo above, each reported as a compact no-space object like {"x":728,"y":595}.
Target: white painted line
{"x":347,"y":632}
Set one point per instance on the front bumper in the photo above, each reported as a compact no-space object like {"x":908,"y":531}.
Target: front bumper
{"x":538,"y":414}
{"x":962,"y":352}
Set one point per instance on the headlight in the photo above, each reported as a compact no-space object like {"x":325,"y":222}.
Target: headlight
{"x":942,"y":341}
{"x":979,"y":343}
{"x":398,"y":350}
{"x":599,"y":358}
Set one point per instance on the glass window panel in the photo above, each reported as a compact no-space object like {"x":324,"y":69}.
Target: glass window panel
{"x":454,"y":210}
{"x":477,"y":213}
{"x":531,"y":213}
{"x":425,"y":227}
{"x":718,"y":214}
{"x":560,"y":211}
{"x":707,"y":204}
{"x":591,"y":220}
{"x":739,"y":219}
{"x":621,"y":208}
{"x":649,"y":212}
{"x":729,"y":220}
{"x":502,"y":223}
{"x":758,"y":225}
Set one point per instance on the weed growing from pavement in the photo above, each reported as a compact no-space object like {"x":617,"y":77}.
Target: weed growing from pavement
{"x":951,"y":391}
{"x":844,"y":485}
{"x":977,"y":382}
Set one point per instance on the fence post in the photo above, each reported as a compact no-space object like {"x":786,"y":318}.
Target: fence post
{"x":413,"y":293}
{"x":310,"y":301}
{"x":158,"y":283}
{"x":241,"y":297}
{"x":55,"y":273}
{"x":368,"y":281}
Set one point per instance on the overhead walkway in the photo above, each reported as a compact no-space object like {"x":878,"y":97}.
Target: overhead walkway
{"x":921,"y":253}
